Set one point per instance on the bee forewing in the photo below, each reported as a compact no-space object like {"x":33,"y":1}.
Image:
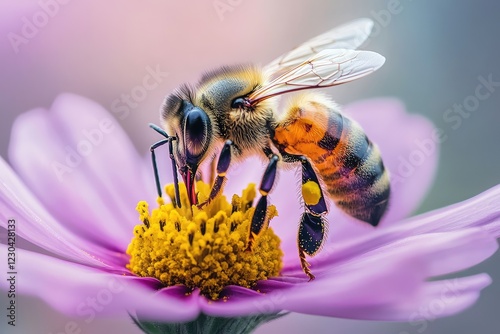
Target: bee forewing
{"x":347,"y":36}
{"x":327,"y":68}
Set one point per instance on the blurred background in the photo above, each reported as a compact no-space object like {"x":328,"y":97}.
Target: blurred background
{"x":438,"y":53}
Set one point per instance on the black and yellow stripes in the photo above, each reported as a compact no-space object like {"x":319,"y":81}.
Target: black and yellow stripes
{"x":348,"y":163}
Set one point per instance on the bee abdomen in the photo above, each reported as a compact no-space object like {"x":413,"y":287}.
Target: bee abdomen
{"x":349,"y":164}
{"x":359,"y":182}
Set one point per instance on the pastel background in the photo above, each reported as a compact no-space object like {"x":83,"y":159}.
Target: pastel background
{"x":437,"y":52}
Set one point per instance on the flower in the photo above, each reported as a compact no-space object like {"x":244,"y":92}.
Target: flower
{"x":76,"y":181}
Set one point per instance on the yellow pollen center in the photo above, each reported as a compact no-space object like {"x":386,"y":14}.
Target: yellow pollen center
{"x":204,"y":248}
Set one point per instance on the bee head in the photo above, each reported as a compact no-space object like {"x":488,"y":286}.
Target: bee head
{"x":192,"y":128}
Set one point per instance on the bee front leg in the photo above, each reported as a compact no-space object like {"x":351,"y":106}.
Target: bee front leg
{"x":312,"y":226}
{"x":259,"y":218}
{"x":222,"y":167}
{"x":152,"y":149}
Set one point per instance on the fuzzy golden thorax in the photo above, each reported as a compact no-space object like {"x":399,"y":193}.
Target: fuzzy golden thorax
{"x":248,"y":128}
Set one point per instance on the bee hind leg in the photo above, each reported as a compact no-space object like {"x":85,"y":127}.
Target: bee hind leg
{"x":310,"y":238}
{"x":312,"y":226}
{"x":222,"y":167}
{"x":259,"y":218}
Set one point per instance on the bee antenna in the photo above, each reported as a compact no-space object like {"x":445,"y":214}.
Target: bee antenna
{"x":169,"y":140}
{"x":159,"y":130}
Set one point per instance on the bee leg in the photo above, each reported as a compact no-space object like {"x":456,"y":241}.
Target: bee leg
{"x":213,"y":168}
{"x":222,"y":167}
{"x":310,"y":238}
{"x":168,"y":140}
{"x":312,"y":224}
{"x":312,"y":193}
{"x":260,"y":213}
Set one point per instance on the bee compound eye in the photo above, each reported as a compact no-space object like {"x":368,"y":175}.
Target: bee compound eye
{"x":238,"y":103}
{"x":196,"y":132}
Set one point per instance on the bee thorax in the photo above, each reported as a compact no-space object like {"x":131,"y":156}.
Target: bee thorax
{"x":250,"y":130}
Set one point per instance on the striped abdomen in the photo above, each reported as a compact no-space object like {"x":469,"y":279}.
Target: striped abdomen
{"x":349,"y":164}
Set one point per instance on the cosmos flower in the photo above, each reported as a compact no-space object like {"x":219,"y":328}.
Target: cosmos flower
{"x":75,"y":179}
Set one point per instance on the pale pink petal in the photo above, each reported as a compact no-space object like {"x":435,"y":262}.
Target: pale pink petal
{"x":438,"y":299}
{"x":94,"y":194}
{"x":481,"y":211}
{"x":442,"y":253}
{"x":38,"y":226}
{"x":405,"y":309}
{"x":371,"y":284}
{"x":352,"y":290}
{"x":84,"y":292}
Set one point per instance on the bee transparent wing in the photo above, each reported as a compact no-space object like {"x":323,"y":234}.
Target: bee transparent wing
{"x":325,"y":69}
{"x":347,"y":36}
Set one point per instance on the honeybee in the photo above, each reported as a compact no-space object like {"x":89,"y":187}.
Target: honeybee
{"x":232,"y":111}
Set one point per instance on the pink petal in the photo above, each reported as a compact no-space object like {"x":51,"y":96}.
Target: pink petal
{"x":482,"y":211}
{"x":432,"y":297}
{"x":352,"y":290}
{"x":84,"y":292}
{"x":95,"y":196}
{"x":442,"y":253}
{"x":440,"y":299}
{"x":370,"y":284}
{"x":434,"y":254}
{"x":36,"y":225}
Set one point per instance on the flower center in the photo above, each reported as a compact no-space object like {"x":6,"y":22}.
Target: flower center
{"x":204,"y":248}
